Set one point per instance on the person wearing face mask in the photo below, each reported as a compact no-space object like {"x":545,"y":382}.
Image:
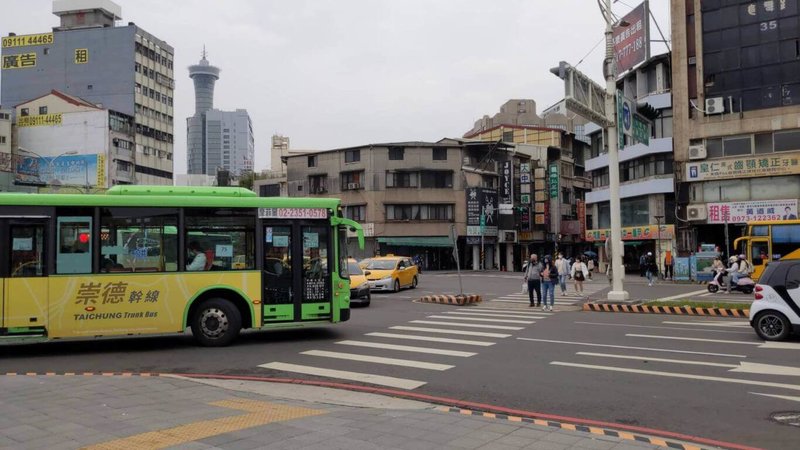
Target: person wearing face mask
{"x":533,"y":277}
{"x":198,"y":257}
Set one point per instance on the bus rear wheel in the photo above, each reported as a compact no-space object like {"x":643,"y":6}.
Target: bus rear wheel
{"x":216,"y":323}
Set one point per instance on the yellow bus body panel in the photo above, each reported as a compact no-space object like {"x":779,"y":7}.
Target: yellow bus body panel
{"x":25,"y":302}
{"x":120,"y":304}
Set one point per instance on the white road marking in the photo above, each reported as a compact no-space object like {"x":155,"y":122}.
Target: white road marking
{"x":780,"y":345}
{"x":557,"y":302}
{"x":479,"y":319}
{"x":767,"y":369}
{"x":408,"y":348}
{"x":480,"y":314}
{"x":712,"y":323}
{"x":378,"y":360}
{"x":644,"y":358}
{"x":684,"y":295}
{"x":524,"y":311}
{"x":401,"y":383}
{"x":680,"y":338}
{"x":782,"y":397}
{"x":664,"y":328}
{"x":793,"y":387}
{"x":413,"y":337}
{"x":467,"y":325}
{"x":591,"y":344}
{"x":445,"y":331}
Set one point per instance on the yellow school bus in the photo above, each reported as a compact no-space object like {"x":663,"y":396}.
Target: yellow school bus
{"x":142,"y":260}
{"x":767,"y":241}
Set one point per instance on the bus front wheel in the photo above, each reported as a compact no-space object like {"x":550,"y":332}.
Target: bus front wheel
{"x":216,"y":323}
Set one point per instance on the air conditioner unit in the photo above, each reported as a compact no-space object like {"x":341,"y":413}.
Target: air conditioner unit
{"x":715,"y":105}
{"x":696,"y":212}
{"x":697,"y":152}
{"x":507,"y":237}
{"x":353,"y":186}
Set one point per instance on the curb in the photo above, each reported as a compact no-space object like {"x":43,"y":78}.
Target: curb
{"x":717,"y":312}
{"x":459,"y":300}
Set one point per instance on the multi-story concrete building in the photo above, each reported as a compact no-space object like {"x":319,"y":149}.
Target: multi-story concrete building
{"x":736,"y":96}
{"x":63,"y":140}
{"x":646,"y":170}
{"x":408,"y":195}
{"x":122,"y":68}
{"x":555,"y":196}
{"x":6,"y":160}
{"x":216,"y":140}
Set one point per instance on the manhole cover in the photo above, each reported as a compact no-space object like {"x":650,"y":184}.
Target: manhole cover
{"x":787,"y":418}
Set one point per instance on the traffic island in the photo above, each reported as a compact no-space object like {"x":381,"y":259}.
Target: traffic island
{"x":695,"y":309}
{"x":459,"y":300}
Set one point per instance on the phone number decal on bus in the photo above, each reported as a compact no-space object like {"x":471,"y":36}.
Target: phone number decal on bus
{"x":292,"y":213}
{"x":30,"y":39}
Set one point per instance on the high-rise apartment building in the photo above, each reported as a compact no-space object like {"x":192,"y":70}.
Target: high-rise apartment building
{"x":216,"y":139}
{"x":736,"y":96}
{"x":119,"y":68}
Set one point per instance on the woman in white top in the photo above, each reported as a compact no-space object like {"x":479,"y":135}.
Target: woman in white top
{"x":579,"y":273}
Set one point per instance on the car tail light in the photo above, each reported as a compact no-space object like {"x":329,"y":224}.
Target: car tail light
{"x":759,"y":288}
{"x":759,"y":296}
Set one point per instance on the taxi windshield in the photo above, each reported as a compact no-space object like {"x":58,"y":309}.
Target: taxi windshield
{"x":353,"y":269}
{"x":378,"y":264}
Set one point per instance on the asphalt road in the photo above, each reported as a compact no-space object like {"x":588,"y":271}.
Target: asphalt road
{"x":669,"y":372}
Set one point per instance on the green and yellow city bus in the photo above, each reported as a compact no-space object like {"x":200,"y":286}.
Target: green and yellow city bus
{"x":119,"y":263}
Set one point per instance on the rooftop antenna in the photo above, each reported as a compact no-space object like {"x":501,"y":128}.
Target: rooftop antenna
{"x":205,"y":53}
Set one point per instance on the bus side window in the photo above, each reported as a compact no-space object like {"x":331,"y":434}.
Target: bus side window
{"x":759,"y":254}
{"x":74,"y":252}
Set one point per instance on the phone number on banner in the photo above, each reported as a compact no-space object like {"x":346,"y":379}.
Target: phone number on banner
{"x":30,"y":39}
{"x":754,"y":218}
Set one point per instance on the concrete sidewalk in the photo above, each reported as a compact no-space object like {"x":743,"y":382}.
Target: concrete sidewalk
{"x":144,"y":412}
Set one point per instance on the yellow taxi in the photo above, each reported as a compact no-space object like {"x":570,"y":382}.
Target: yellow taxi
{"x":359,"y":288}
{"x":391,"y":273}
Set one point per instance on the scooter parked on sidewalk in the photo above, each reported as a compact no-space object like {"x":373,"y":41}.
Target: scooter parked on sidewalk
{"x":745,"y":285}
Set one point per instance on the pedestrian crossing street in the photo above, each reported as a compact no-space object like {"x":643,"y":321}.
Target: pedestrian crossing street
{"x":572,"y":298}
{"x":435,"y":343}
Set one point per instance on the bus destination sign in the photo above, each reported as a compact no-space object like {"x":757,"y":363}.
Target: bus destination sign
{"x":292,"y":213}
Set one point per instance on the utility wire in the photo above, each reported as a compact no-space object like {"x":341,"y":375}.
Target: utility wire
{"x":592,"y":50}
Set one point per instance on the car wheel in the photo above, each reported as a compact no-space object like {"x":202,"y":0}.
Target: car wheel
{"x":771,"y":326}
{"x":747,"y":289}
{"x":216,"y":323}
{"x":369,"y":299}
{"x":397,"y":285}
{"x":713,"y":288}
{"x":414,"y":282}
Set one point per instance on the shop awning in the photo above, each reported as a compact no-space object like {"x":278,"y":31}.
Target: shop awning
{"x":417,"y":241}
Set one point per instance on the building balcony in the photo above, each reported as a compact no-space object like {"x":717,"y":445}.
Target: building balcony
{"x":662,"y":184}
{"x":659,"y":145}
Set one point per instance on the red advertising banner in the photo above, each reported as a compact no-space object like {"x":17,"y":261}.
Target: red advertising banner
{"x":632,"y":41}
{"x":582,"y":216}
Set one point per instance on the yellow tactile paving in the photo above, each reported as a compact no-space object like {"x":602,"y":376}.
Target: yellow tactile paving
{"x":258,"y":413}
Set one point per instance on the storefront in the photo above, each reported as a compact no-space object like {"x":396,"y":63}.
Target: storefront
{"x":430,"y":252}
{"x":637,"y":241}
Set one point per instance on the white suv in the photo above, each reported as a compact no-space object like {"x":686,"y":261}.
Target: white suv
{"x":775,"y":313}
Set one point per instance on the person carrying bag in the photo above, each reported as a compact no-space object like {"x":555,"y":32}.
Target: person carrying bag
{"x":533,"y":280}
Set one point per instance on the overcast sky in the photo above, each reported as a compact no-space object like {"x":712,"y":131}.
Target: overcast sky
{"x":332,"y":74}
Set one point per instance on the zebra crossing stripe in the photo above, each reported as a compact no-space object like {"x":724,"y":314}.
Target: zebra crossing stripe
{"x":378,"y":360}
{"x":446,"y":331}
{"x":408,"y":348}
{"x":401,"y":383}
{"x":414,"y":337}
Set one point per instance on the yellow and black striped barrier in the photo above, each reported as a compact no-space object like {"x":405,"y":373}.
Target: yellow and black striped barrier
{"x":685,"y":310}
{"x":459,"y":300}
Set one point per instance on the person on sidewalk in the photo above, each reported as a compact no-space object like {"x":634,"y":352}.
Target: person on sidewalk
{"x":651,"y":268}
{"x":579,"y":273}
{"x":549,"y":280}
{"x":590,"y":265}
{"x":669,"y":263}
{"x":562,"y":265}
{"x":533,"y":276}
{"x":643,"y":265}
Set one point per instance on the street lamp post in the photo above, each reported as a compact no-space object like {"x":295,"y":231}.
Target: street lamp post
{"x":617,"y":292}
{"x":658,"y":245}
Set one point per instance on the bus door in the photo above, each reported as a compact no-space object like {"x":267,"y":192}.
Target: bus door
{"x":23,"y":275}
{"x":296,"y":271}
{"x":759,"y":255}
